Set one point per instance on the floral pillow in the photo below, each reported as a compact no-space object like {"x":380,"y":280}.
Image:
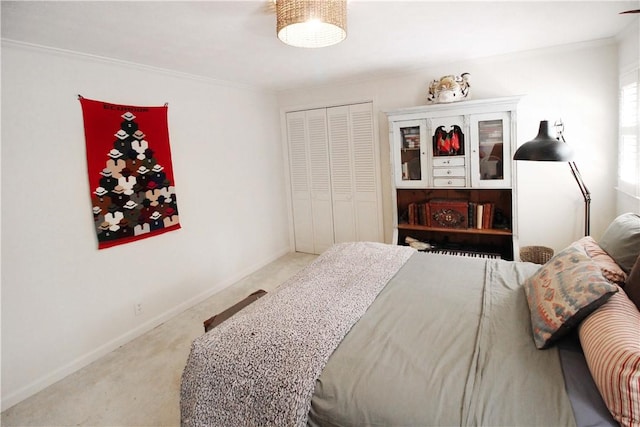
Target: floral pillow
{"x":563,"y":292}
{"x":610,"y":269}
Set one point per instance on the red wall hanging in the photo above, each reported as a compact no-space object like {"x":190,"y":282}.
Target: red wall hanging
{"x":130,"y":171}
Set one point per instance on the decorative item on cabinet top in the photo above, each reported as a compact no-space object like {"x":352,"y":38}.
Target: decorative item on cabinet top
{"x":449,"y":89}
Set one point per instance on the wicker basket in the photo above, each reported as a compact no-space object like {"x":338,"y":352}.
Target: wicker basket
{"x":536,"y":254}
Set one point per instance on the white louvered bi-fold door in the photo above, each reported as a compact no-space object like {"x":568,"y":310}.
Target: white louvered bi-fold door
{"x":310,"y":180}
{"x":334,"y":177}
{"x":354,"y":174}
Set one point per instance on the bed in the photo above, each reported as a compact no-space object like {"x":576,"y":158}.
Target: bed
{"x":380,"y":335}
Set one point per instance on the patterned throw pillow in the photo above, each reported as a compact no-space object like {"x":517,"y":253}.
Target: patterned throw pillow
{"x":610,"y":269}
{"x":563,"y":292}
{"x":610,"y":339}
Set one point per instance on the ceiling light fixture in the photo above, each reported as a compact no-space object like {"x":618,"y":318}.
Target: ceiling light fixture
{"x":311,"y":23}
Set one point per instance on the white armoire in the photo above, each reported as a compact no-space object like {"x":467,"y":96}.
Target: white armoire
{"x":334,"y":176}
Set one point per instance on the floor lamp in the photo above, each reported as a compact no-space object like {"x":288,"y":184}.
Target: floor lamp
{"x":546,"y":148}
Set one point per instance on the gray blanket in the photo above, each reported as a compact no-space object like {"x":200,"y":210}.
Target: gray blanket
{"x":447,"y":343}
{"x":259,"y":368}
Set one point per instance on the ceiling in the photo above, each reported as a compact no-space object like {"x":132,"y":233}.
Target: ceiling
{"x":235,"y":41}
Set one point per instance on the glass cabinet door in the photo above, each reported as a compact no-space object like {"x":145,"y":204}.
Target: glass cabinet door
{"x":409,"y":153}
{"x":491,"y":154}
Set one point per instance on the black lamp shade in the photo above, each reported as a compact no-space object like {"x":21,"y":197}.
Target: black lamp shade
{"x":544,"y":148}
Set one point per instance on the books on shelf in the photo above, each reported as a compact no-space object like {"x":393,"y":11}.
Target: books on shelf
{"x":481,"y":215}
{"x":451,"y":213}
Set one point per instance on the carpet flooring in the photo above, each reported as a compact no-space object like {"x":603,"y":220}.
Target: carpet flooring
{"x":138,"y":384}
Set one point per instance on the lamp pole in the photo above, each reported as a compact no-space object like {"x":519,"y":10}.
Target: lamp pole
{"x":586,"y":194}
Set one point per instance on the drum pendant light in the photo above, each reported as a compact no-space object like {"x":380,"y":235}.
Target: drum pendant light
{"x":311,"y":23}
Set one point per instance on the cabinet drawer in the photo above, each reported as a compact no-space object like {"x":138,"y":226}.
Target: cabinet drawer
{"x":449,"y":172}
{"x":449,"y":182}
{"x":448,"y":161}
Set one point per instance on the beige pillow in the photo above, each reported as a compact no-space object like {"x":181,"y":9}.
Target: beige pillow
{"x":621,"y":240}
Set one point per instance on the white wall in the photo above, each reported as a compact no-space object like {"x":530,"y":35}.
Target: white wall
{"x":64,"y":303}
{"x":628,"y":60}
{"x":629,"y":46}
{"x":577,"y":83}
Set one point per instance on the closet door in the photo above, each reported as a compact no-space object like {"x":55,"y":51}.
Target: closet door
{"x":342,"y":187}
{"x":354,"y":173}
{"x":310,"y":180}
